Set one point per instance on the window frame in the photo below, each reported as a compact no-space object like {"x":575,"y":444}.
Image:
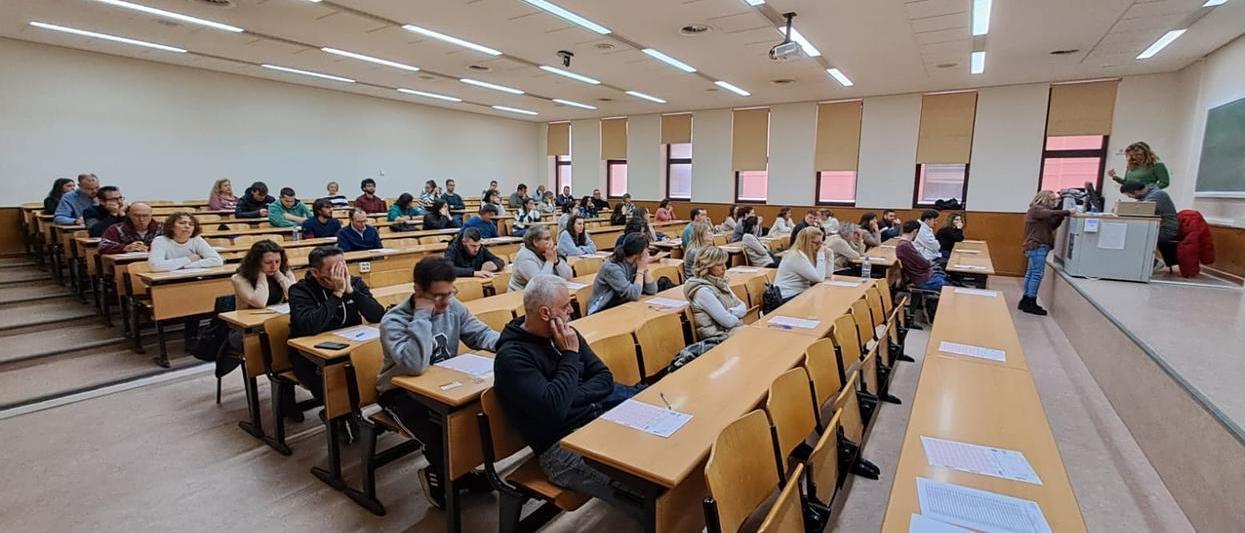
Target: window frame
{"x":817,"y":190}
{"x":916,"y":186}
{"x":739,"y":200}
{"x":557,"y":174}
{"x":609,"y":178}
{"x":676,"y":161}
{"x":1100,"y":153}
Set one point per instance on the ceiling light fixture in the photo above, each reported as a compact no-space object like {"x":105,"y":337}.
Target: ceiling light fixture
{"x":371,"y":59}
{"x":574,"y":104}
{"x":1213,"y":3}
{"x":569,"y":16}
{"x":1160,"y":44}
{"x":515,"y":110}
{"x":451,"y":39}
{"x":977,"y":62}
{"x":429,"y":95}
{"x":492,"y":86}
{"x":839,"y":77}
{"x":107,"y":37}
{"x":809,"y":49}
{"x":981,"y":17}
{"x":669,"y":60}
{"x":728,"y":86}
{"x":754,"y":2}
{"x":172,"y":15}
{"x":643,"y":96}
{"x":571,"y":75}
{"x":308,"y":73}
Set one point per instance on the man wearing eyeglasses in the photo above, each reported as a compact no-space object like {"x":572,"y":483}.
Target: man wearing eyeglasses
{"x":422,"y":331}
{"x":109,"y":211}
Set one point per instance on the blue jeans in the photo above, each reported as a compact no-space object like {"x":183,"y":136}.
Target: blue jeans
{"x":1036,"y":269}
{"x":934,"y":283}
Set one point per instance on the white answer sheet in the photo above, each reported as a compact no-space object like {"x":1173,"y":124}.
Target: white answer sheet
{"x":979,"y":510}
{"x":970,"y":350}
{"x":975,"y":459}
{"x":469,"y":363}
{"x":647,"y":418}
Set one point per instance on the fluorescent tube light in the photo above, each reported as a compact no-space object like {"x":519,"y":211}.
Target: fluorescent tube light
{"x":754,"y":2}
{"x":451,"y":39}
{"x":107,"y":37}
{"x":371,"y":59}
{"x":429,"y":95}
{"x":172,"y":15}
{"x":308,"y":73}
{"x":809,"y":49}
{"x":1160,"y":44}
{"x":643,"y":96}
{"x":1213,"y":3}
{"x":977,"y":62}
{"x":573,"y":104}
{"x":981,"y":17}
{"x":839,"y":77}
{"x":669,"y":60}
{"x":515,"y":110}
{"x":732,"y":88}
{"x":492,"y":86}
{"x":569,"y":16}
{"x":571,"y":75}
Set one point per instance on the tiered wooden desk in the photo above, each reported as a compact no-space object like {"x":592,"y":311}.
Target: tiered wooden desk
{"x":970,"y":263}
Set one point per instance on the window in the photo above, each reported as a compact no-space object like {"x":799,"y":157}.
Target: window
{"x":616,"y":177}
{"x":679,"y":171}
{"x":940,"y":181}
{"x":836,"y":187}
{"x":1070,"y":161}
{"x":751,"y":185}
{"x":562,"y":170}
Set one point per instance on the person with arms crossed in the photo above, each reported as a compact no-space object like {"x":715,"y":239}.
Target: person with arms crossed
{"x":806,"y":263}
{"x":322,"y":224}
{"x":263,"y":278}
{"x":537,"y":256}
{"x":528,"y":214}
{"x":716,"y":311}
{"x":358,"y":235}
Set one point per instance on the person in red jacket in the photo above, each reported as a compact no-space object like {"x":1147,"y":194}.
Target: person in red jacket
{"x":133,"y":235}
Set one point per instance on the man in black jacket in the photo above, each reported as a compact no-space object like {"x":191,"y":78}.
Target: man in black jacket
{"x":551,"y":383}
{"x":254,"y":204}
{"x":328,"y":298}
{"x":471,"y":258}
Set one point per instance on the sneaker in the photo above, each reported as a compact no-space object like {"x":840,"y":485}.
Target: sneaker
{"x":433,"y":490}
{"x":1158,"y":266}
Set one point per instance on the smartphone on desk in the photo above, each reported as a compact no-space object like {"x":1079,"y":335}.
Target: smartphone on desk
{"x":330,"y":345}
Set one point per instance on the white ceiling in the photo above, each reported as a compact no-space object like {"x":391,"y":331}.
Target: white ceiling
{"x":885,"y":46}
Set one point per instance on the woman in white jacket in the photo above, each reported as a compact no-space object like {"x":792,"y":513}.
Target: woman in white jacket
{"x":807,"y":262}
{"x":181,"y":246}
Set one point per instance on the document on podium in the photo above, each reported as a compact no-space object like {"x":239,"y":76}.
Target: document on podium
{"x":979,"y":510}
{"x":1112,"y":235}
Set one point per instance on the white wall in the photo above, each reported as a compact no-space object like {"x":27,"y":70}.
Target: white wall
{"x":587,"y":169}
{"x":712,"y":177}
{"x":888,"y":135}
{"x":1008,"y":136}
{"x":164,"y":131}
{"x":1146,"y":110}
{"x":791,"y":174}
{"x":1217,"y":80}
{"x":646,"y":176}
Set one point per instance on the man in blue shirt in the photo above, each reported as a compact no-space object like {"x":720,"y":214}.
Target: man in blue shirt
{"x":322,"y":224}
{"x":75,"y":203}
{"x":484,"y":222}
{"x":358,"y":235}
{"x":697,"y":214}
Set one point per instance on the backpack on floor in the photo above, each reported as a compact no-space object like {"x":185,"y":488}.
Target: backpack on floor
{"x":209,"y":341}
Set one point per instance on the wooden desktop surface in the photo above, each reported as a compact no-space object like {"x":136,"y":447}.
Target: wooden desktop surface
{"x":820,"y":302}
{"x":973,"y":254}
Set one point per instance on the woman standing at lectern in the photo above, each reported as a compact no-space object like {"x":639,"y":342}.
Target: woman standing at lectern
{"x":1143,"y":166}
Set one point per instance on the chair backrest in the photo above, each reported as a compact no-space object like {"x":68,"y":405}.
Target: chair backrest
{"x":587,"y":265}
{"x":884,"y":291}
{"x":823,"y":463}
{"x":847,"y":337}
{"x":823,"y":369}
{"x":873,"y":298}
{"x":501,"y":283}
{"x":435,"y":239}
{"x":618,"y":353}
{"x":278,"y":330}
{"x":864,"y":322}
{"x":581,"y":297}
{"x":756,"y":290}
{"x":469,"y":289}
{"x":207,"y":218}
{"x":740,"y":473}
{"x":366,"y":361}
{"x":505,"y":440}
{"x":388,"y":278}
{"x":787,"y":514}
{"x":136,"y":283}
{"x":741,"y":292}
{"x":219,"y":241}
{"x":661,"y":338}
{"x":719,"y":239}
{"x":497,"y":318}
{"x":790,"y":409}
{"x":849,"y":411}
{"x":672,"y":272}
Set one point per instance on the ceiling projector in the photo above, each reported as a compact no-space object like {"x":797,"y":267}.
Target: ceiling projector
{"x":787,"y":49}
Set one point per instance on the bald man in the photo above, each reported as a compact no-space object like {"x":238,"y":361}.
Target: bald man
{"x":133,"y":235}
{"x":75,"y":203}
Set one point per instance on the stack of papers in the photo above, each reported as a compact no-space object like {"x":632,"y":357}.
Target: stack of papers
{"x":280,"y":308}
{"x":969,"y":267}
{"x":979,"y":510}
{"x":972,"y":351}
{"x":744,"y":269}
{"x":976,"y":292}
{"x":837,"y":283}
{"x":192,"y":270}
{"x":982,"y":460}
{"x":647,"y":418}
{"x":359,"y":333}
{"x":469,"y":363}
{"x":667,"y":303}
{"x":575,"y":286}
{"x":789,"y":322}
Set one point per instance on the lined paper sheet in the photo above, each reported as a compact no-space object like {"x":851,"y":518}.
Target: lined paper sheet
{"x":575,"y":285}
{"x":837,"y":283}
{"x":969,"y":267}
{"x":192,"y":270}
{"x":924,"y":524}
{"x":975,"y":459}
{"x":793,"y":322}
{"x":968,"y":251}
{"x":386,"y":250}
{"x":978,"y":509}
{"x":744,"y":269}
{"x":647,"y":418}
{"x":359,"y":333}
{"x":970,"y":350}
{"x":667,"y":303}
{"x":280,"y":308}
{"x":469,"y":363}
{"x":976,"y":292}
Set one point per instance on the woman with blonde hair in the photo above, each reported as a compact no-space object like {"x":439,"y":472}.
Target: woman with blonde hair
{"x":808,"y":262}
{"x":716,"y":311}
{"x":1040,"y":223}
{"x":1143,"y":166}
{"x":222,"y":198}
{"x":702,"y":236}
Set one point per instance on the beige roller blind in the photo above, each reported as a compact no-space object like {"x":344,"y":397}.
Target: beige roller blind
{"x":614,"y":138}
{"x":750,"y":139}
{"x":559,"y":139}
{"x":1081,"y":108}
{"x":838,"y":135}
{"x":946,"y":128}
{"x":676,"y":129}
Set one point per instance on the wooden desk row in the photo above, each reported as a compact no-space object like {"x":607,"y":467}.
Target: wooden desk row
{"x":970,"y":263}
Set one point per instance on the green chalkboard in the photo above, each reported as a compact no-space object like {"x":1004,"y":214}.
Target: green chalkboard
{"x":1222,"y":168}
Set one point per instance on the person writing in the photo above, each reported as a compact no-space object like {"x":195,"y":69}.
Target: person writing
{"x":624,"y":277}
{"x":807,"y":263}
{"x":1043,"y":217}
{"x":483,"y":222}
{"x":403,"y":212}
{"x":322,"y":224}
{"x":470,"y":258}
{"x":368,"y":201}
{"x":181,"y":246}
{"x":222,"y":198}
{"x":59,"y":188}
{"x":358,"y":235}
{"x":1169,"y":224}
{"x":134,"y":235}
{"x":574,"y":240}
{"x":538,"y":256}
{"x":950,"y":234}
{"x":74,"y":203}
{"x":422,"y":331}
{"x":254,"y":204}
{"x":716,"y":311}
{"x":1143,"y":166}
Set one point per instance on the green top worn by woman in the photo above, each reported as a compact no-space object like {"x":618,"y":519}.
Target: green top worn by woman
{"x":1143,"y":166}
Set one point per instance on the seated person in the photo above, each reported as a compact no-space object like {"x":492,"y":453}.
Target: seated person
{"x":181,"y":246}
{"x":757,"y":252}
{"x":829,"y":224}
{"x":111,"y":210}
{"x":327,"y":298}
{"x":701,"y":236}
{"x":537,"y":256}
{"x":73,"y":204}
{"x":471,"y":258}
{"x":950,"y":234}
{"x":587,"y":209}
{"x":322,"y":224}
{"x":493,"y":198}
{"x":368,"y":201}
{"x":1169,"y":224}
{"x":574,"y":240}
{"x":424,"y":330}
{"x":870,"y":230}
{"x":550,"y":383}
{"x":334,"y":196}
{"x":742,"y":214}
{"x":634,"y":225}
{"x":926,"y":242}
{"x":547,"y":203}
{"x":728,"y":223}
{"x":810,"y":219}
{"x":716,"y":310}
{"x":917,"y":270}
{"x":59,"y":187}
{"x":518,"y":197}
{"x":133,"y":235}
{"x":254,"y":202}
{"x":599,"y":202}
{"x":528,"y":213}
{"x":288,"y":211}
{"x":263,"y":278}
{"x":698,"y":215}
{"x":438,"y":216}
{"x":483,"y":222}
{"x":664,"y":212}
{"x":846,"y":245}
{"x":452,"y":199}
{"x":404,"y":211}
{"x":429,"y":195}
{"x":624,"y":277}
{"x":782,"y":223}
{"x":890,"y":225}
{"x":358,"y":235}
{"x":807,"y":262}
{"x":566,"y":197}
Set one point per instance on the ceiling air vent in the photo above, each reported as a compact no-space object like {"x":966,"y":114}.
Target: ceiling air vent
{"x":479,"y":68}
{"x":1065,"y":52}
{"x":781,"y":82}
{"x":695,"y":29}
{"x":216,"y":3}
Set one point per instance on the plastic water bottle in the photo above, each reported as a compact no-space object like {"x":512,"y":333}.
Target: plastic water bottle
{"x":866,"y":268}
{"x":295,"y":234}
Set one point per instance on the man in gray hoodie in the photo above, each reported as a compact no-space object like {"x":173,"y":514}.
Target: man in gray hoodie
{"x":421,"y":331}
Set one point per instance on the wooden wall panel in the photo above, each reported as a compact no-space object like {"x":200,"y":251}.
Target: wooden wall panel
{"x":1229,"y":250}
{"x":11,"y":239}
